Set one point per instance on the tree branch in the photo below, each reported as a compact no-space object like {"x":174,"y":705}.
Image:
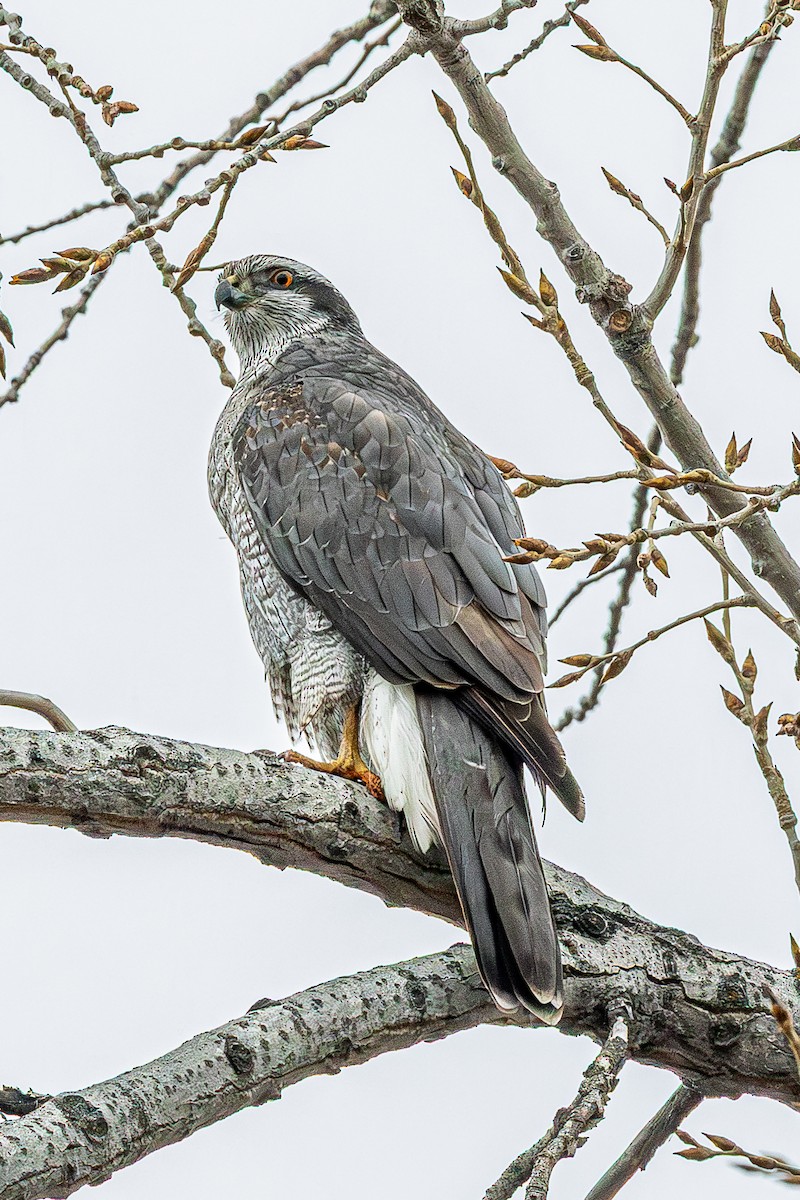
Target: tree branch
{"x":83,"y":1137}
{"x":570,"y":1125}
{"x":695,"y":1011}
{"x":638,"y":1154}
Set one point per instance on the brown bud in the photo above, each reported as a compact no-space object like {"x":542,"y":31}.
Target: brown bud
{"x":650,"y":583}
{"x":732,"y":703}
{"x":615,"y":184}
{"x":560,"y":563}
{"x":79,"y":254}
{"x":749,"y":669}
{"x":796,"y":456}
{"x":731,"y":455}
{"x":760,"y":723}
{"x":465,"y":184}
{"x":503,"y":465}
{"x":104,"y":93}
{"x":5,"y":329}
{"x":617,"y":665}
{"x":102,"y":262}
{"x":445,"y":112}
{"x":722,"y":1143}
{"x":34,"y":275}
{"x":659,"y":562}
{"x":599,"y":53}
{"x":520,"y":559}
{"x":521,"y":289}
{"x":530,"y":543}
{"x":604,"y":561}
{"x":795,"y":951}
{"x":251,"y":136}
{"x":70,"y":280}
{"x":589,"y":29}
{"x":720,"y":642}
{"x":525,"y":489}
{"x":565,"y":679}
{"x":579,"y":660}
{"x":547,"y":291}
{"x":2,"y":360}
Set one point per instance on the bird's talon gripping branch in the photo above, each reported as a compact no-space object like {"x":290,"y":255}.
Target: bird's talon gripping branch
{"x":348,"y":764}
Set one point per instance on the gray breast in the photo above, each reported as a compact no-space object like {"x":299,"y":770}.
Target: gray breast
{"x":314,"y":674}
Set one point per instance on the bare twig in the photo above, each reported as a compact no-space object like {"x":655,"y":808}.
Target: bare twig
{"x":599,"y":50}
{"x":691,"y":192}
{"x":724,"y":1147}
{"x":619,"y":189}
{"x":722,"y":152}
{"x":570,"y":1125}
{"x":38,"y":704}
{"x":628,"y":566}
{"x":581,"y":587}
{"x":619,"y":659}
{"x":757,"y":723}
{"x":59,"y":334}
{"x":548,"y":28}
{"x":72,"y":215}
{"x":681,"y":1103}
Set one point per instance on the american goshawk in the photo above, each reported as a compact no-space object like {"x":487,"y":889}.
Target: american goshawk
{"x":372,"y":539}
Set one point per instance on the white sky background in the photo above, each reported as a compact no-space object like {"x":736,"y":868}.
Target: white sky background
{"x":120,"y":597}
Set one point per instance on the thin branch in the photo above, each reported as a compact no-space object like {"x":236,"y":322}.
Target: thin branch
{"x":38,"y":704}
{"x":73,"y":215}
{"x":635,"y":201}
{"x":722,"y":152}
{"x":628,"y":566}
{"x":59,"y":334}
{"x":639,"y":1153}
{"x":700,"y":127}
{"x":792,"y":143}
{"x":494,"y":20}
{"x":624,"y":656}
{"x":570,"y":1125}
{"x":757,"y":723}
{"x":549,"y":27}
{"x":581,"y":587}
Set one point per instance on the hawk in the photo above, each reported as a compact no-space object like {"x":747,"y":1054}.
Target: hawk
{"x":372,"y":539}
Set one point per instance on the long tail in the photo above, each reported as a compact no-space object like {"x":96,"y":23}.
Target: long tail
{"x":489,"y":841}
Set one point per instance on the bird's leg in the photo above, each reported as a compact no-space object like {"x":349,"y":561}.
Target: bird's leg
{"x":349,"y":763}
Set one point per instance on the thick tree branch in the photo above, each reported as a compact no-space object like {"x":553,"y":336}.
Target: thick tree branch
{"x":83,"y":1137}
{"x":698,"y":1012}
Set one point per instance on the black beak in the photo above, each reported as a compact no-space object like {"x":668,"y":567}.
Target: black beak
{"x":229,"y":296}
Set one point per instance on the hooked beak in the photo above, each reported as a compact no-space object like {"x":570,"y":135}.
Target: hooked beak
{"x":229,"y":295}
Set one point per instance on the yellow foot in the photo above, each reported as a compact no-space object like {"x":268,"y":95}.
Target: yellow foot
{"x":348,"y":766}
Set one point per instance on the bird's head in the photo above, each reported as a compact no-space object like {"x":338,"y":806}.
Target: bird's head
{"x":273,"y":301}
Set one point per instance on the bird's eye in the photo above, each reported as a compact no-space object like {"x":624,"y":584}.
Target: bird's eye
{"x":282,"y":279}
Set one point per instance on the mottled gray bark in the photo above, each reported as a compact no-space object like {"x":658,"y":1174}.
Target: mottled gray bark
{"x":83,"y":1137}
{"x":696,"y":1011}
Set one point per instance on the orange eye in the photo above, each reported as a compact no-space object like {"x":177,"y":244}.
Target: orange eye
{"x":282,"y":279}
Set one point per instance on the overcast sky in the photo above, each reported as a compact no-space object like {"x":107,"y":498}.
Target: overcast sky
{"x":120,"y":594}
